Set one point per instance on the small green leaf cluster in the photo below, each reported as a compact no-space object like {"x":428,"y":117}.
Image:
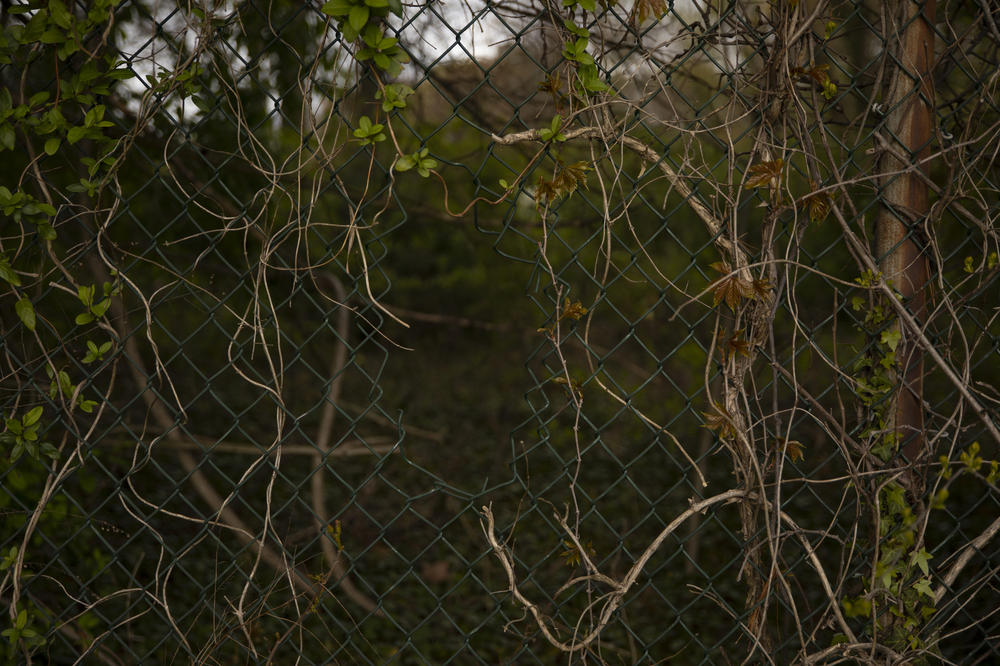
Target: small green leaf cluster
{"x":991,"y":262}
{"x":54,"y":24}
{"x":552,"y":132}
{"x":901,"y":601}
{"x":46,"y":119}
{"x":419,"y":160}
{"x":384,"y":51}
{"x":394,"y":96}
{"x":354,"y":16}
{"x":22,"y":434}
{"x":186,"y":81}
{"x":368,"y":132}
{"x":875,"y":372}
{"x":60,"y":385}
{"x":94,"y":309}
{"x":95,"y":352}
{"x":23,"y":631}
{"x":971,"y":463}
{"x":575,"y":50}
{"x":21,"y":206}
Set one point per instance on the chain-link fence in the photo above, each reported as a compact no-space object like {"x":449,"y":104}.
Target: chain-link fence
{"x":507,"y":332}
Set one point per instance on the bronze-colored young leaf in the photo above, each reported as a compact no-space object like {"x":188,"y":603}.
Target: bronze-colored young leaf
{"x":573,"y":310}
{"x":721,"y":267}
{"x":732,"y":290}
{"x":818,"y":74}
{"x":551,"y":84}
{"x":571,"y":555}
{"x":737,"y":344}
{"x":794,"y":449}
{"x":760,"y":288}
{"x":765,"y":174}
{"x":570,"y":176}
{"x":817,"y":203}
{"x":643,"y":9}
{"x":719,"y":421}
{"x":545,"y":191}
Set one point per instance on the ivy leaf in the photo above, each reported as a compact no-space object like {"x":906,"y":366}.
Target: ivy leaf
{"x":923,"y":586}
{"x":858,"y":607}
{"x":920,"y":558}
{"x":891,"y":338}
{"x":26,"y":312}
{"x":52,"y":145}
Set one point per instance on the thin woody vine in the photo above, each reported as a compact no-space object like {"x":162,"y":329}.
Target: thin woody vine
{"x":891,"y":605}
{"x":892,"y":608}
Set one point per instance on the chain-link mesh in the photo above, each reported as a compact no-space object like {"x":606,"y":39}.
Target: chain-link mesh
{"x":646,"y":260}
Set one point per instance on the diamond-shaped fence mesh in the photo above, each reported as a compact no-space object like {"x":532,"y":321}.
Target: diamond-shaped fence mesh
{"x":369,"y":331}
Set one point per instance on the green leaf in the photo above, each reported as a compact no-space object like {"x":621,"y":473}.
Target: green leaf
{"x":591,"y":79}
{"x":575,"y":29}
{"x":923,"y":586}
{"x":358,"y":17}
{"x":7,"y":137}
{"x":52,"y":145}
{"x":405,"y":163}
{"x":26,"y":312}
{"x":336,"y":8}
{"x":98,"y":309}
{"x":891,"y":338}
{"x":52,"y":36}
{"x":85,"y":293}
{"x":372,"y":35}
{"x":859,"y":607}
{"x":7,"y":273}
{"x":396,"y":7}
{"x":31,"y":418}
{"x":75,"y":134}
{"x":920,"y":558}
